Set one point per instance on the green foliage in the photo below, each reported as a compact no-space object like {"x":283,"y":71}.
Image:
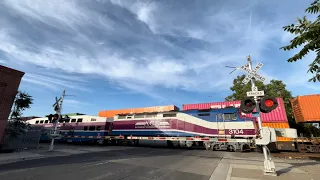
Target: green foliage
{"x":307,"y":129}
{"x":307,"y":34}
{"x":240,"y":90}
{"x":21,"y":102}
{"x":275,"y":88}
{"x":15,"y":127}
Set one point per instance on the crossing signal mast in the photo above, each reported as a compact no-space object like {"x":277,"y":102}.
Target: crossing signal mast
{"x":55,"y":118}
{"x":256,"y":100}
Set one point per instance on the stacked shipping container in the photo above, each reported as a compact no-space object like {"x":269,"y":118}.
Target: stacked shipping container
{"x":112,"y":113}
{"x":306,"y":108}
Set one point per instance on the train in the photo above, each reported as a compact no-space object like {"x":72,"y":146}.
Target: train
{"x":215,"y":129}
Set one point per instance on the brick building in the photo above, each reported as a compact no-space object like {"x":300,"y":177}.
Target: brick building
{"x":9,"y":84}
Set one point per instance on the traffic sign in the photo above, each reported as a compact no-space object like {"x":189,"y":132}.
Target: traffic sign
{"x":255,"y":93}
{"x":255,"y":114}
{"x":252,"y":74}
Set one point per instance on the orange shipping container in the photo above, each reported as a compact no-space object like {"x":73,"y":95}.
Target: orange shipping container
{"x":276,"y":125}
{"x":112,"y":113}
{"x":306,"y":108}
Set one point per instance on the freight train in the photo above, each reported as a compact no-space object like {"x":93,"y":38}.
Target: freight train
{"x":215,"y":129}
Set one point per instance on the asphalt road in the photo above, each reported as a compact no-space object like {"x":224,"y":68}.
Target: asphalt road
{"x":125,"y":164}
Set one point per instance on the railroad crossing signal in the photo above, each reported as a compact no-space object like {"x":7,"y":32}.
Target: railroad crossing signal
{"x":266,"y":104}
{"x":252,"y":73}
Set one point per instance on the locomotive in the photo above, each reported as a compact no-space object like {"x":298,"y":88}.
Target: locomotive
{"x":211,"y":128}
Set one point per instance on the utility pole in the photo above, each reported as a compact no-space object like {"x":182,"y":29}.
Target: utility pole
{"x":58,"y":109}
{"x":269,"y":167}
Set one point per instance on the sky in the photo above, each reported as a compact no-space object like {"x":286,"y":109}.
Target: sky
{"x":120,"y":54}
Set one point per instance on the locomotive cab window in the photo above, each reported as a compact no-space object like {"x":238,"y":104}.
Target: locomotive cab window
{"x":204,"y":114}
{"x":92,"y":128}
{"x":98,"y":128}
{"x":170,"y":115}
{"x":219,"y":116}
{"x":79,"y":120}
{"x":92,"y":119}
{"x":151,"y":115}
{"x":46,"y":121}
{"x":73,"y":120}
{"x":85,"y":128}
{"x":121,"y":117}
{"x":230,"y":116}
{"x":37,"y":122}
{"x":41,"y":122}
{"x":139,"y":116}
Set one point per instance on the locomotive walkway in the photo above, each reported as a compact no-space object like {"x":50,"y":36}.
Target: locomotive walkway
{"x":137,"y":163}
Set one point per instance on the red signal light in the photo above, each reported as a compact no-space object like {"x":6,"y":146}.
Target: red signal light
{"x":247,"y":105}
{"x":269,"y":103}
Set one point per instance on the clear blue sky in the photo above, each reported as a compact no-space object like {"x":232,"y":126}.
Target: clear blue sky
{"x":119,"y":54}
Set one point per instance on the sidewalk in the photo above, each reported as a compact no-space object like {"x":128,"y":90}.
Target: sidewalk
{"x":252,"y":169}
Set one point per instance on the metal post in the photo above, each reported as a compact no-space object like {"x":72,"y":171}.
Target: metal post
{"x":58,"y":111}
{"x":268,"y":163}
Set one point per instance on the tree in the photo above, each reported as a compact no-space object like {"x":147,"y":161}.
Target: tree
{"x":240,"y":90}
{"x":21,"y":102}
{"x":275,"y":88}
{"x":308,"y":34}
{"x":15,"y":127}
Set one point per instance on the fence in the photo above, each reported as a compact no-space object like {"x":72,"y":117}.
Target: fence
{"x":25,"y":141}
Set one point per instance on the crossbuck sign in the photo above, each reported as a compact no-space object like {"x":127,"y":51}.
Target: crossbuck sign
{"x":252,"y":73}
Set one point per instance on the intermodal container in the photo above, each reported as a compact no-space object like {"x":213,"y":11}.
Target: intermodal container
{"x":277,"y":115}
{"x":276,"y":125}
{"x":279,"y":126}
{"x":112,"y":113}
{"x":306,"y":108}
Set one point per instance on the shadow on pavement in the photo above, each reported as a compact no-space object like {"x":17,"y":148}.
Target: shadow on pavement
{"x":295,"y":165}
{"x":95,"y":157}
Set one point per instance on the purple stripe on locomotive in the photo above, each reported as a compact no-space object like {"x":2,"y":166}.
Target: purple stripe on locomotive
{"x":175,"y":124}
